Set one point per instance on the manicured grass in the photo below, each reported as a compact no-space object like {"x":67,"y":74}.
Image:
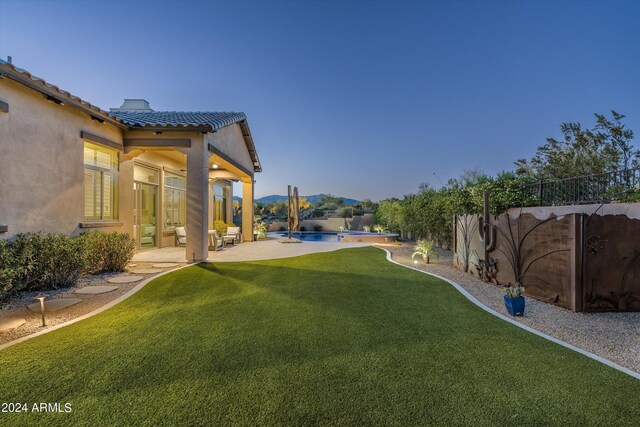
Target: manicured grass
{"x":333,"y":338}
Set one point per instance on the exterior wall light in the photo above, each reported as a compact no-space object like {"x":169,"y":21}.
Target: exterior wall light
{"x":41,"y":298}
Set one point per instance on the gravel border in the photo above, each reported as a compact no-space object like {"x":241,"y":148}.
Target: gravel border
{"x":612,"y":336}
{"x":17,"y":306}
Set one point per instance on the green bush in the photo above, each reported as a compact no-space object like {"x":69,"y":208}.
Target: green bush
{"x":221,"y":227}
{"x":107,"y":251}
{"x":429,"y":213}
{"x":47,"y":261}
{"x":38,"y":261}
{"x":7,"y":269}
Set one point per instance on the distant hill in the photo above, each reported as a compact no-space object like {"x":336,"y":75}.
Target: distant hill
{"x":315,"y":198}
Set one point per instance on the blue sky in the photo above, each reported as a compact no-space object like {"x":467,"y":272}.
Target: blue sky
{"x":360,"y":99}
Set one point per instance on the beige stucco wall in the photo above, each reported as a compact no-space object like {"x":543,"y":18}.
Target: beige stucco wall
{"x":230,"y":141}
{"x":41,"y":162}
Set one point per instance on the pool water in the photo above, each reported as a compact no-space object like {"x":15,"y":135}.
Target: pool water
{"x":309,"y":236}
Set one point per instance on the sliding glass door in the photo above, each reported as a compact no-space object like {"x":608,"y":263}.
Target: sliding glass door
{"x":145,"y":224}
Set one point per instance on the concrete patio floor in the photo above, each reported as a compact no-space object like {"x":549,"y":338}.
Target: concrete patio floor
{"x":249,"y":251}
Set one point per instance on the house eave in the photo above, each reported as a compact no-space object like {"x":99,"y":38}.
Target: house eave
{"x":57,"y":95}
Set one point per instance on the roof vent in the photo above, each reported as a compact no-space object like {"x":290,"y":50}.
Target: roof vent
{"x":135,"y":106}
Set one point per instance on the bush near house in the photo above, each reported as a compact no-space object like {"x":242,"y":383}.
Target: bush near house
{"x":39,"y":261}
{"x":107,"y":251}
{"x":317,"y":227}
{"x":7,"y":270}
{"x":47,"y":261}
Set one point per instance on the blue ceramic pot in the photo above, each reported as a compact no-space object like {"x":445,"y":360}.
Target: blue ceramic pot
{"x":515,"y":306}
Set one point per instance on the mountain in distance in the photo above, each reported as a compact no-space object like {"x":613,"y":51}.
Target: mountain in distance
{"x":315,"y":198}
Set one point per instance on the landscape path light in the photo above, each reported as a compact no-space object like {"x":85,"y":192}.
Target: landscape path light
{"x":41,"y":298}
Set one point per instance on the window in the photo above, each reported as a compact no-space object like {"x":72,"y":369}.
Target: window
{"x":175,"y":201}
{"x":220,"y":203}
{"x":100,"y":182}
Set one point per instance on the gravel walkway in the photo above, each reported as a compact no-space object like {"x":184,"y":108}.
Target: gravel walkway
{"x":17,"y":307}
{"x":613,"y":336}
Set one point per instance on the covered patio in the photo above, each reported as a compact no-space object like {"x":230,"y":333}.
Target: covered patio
{"x":189,"y":154}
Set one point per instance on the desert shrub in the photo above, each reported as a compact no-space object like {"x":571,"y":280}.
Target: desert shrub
{"x":345,"y":212}
{"x":47,"y":261}
{"x":7,"y":269}
{"x":317,"y":227}
{"x":282,"y":228}
{"x":107,"y":251}
{"x":303,"y":228}
{"x":221,"y":226}
{"x":259,"y":228}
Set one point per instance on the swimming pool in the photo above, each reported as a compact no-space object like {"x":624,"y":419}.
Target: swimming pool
{"x":309,"y":236}
{"x":346,"y":236}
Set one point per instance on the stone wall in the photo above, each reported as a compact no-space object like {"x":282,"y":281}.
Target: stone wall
{"x":330,"y":224}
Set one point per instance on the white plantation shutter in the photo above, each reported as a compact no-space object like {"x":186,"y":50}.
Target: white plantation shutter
{"x":100,"y":182}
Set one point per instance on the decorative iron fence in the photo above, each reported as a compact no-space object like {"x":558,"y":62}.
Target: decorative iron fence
{"x":589,"y":189}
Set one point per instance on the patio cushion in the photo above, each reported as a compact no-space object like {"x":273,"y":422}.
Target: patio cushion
{"x":181,"y":235}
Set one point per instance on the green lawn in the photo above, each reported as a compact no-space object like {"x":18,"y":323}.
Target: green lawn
{"x":334,"y":338}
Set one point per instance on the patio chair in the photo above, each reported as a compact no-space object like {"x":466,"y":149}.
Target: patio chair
{"x":181,"y":236}
{"x":233,"y":235}
{"x":215,"y":241}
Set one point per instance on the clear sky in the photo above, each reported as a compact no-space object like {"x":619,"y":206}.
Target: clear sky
{"x":360,"y":99}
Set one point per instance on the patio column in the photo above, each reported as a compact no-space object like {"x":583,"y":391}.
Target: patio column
{"x":247,"y":209}
{"x":197,"y":246}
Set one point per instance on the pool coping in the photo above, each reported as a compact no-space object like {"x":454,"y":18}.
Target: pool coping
{"x":475,"y":301}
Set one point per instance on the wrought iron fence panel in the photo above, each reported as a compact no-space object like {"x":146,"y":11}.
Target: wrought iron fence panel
{"x":601,"y":188}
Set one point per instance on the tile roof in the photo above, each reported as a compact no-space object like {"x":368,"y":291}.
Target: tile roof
{"x":179,"y":118}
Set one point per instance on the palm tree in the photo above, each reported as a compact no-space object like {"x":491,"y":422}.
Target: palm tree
{"x":425,"y":249}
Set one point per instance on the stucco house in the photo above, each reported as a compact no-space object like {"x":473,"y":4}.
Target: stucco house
{"x":67,"y":166}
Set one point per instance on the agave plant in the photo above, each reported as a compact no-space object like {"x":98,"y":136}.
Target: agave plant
{"x":367,"y":229}
{"x":514,"y":291}
{"x":379,"y":229}
{"x":425,"y":248}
